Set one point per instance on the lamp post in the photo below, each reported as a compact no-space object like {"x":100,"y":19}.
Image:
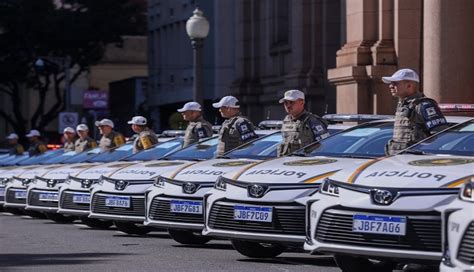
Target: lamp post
{"x":197,"y":28}
{"x":65,"y":64}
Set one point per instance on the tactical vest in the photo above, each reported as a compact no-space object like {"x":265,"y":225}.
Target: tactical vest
{"x":229,"y":135}
{"x":297,"y":133}
{"x":69,"y":146}
{"x":84,"y":145}
{"x":197,"y":130}
{"x":37,"y":148}
{"x":16,"y":150}
{"x":114,"y":139}
{"x":146,"y":139}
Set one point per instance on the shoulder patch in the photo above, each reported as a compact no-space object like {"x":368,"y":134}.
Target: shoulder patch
{"x":431,"y":114}
{"x":318,"y":128}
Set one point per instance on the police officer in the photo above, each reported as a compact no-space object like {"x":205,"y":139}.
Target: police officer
{"x":15,"y":147}
{"x":300,"y":127}
{"x":110,"y":138}
{"x":36,"y":145}
{"x":146,"y":137}
{"x":85,"y":142}
{"x":417,"y":116}
{"x":198,"y":128}
{"x":69,"y":135}
{"x":237,"y":129}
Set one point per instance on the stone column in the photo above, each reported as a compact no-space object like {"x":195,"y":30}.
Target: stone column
{"x":448,"y":58}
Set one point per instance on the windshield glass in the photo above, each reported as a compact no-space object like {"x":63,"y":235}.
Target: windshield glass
{"x":199,"y":151}
{"x":15,"y":159}
{"x":83,"y":156}
{"x":60,"y":158}
{"x":158,"y":151}
{"x":43,"y":157}
{"x":262,"y":148}
{"x":367,"y":141}
{"x":458,"y":140}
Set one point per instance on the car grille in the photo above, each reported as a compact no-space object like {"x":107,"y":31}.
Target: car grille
{"x":67,"y":202}
{"x":137,"y":205}
{"x":2,"y":196}
{"x":466,"y":249}
{"x":10,"y":196}
{"x":423,"y":231}
{"x":160,"y":210}
{"x":288,"y":219}
{"x":33,"y":199}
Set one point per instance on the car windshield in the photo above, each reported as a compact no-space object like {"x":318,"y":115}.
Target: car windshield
{"x":158,"y":151}
{"x":60,"y":158}
{"x":41,"y":158}
{"x":364,"y":141}
{"x":458,"y":140}
{"x":83,"y":156}
{"x":262,"y":148}
{"x":13,"y":160}
{"x":203,"y":150}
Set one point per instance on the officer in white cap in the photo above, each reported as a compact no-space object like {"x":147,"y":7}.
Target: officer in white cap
{"x":300,"y":127}
{"x":69,"y":135}
{"x":236,"y":129}
{"x":417,"y":116}
{"x":15,"y":147}
{"x":85,"y":142}
{"x":36,"y":145}
{"x":146,"y":137}
{"x":110,"y":138}
{"x":197,"y":128}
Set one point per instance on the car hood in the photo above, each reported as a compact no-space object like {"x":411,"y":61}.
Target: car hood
{"x":294,"y":169}
{"x":66,"y":170}
{"x":13,"y":171}
{"x":38,"y":171}
{"x":416,"y":171}
{"x":209,"y":170}
{"x":97,"y":171}
{"x":149,"y":170}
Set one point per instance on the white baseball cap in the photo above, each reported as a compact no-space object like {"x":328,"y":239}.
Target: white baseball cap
{"x":292,"y":95}
{"x":33,"y":133}
{"x":194,"y":106}
{"x":82,"y":127}
{"x":12,"y":136}
{"x":402,"y":74}
{"x":138,"y":120}
{"x":69,"y":129}
{"x":227,"y":101}
{"x":105,"y":122}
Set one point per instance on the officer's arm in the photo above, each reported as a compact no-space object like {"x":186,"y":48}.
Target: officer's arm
{"x":146,"y":141}
{"x":20,"y":149}
{"x":430,"y":117}
{"x":318,"y":128}
{"x":42,"y":148}
{"x":92,"y":144}
{"x":246,"y":130}
{"x":119,"y":140}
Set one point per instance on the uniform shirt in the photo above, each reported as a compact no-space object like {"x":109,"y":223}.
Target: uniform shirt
{"x":416,"y":118}
{"x":146,"y":139}
{"x":235,"y":131}
{"x":112,"y":140}
{"x":69,"y":146}
{"x":197,"y":130}
{"x":17,"y":149}
{"x":86,"y":144}
{"x":301,"y":131}
{"x":37,"y":148}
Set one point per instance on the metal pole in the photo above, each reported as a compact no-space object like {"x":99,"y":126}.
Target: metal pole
{"x":198,"y":92}
{"x":67,"y":83}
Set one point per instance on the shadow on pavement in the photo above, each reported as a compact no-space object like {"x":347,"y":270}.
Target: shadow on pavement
{"x":19,"y":260}
{"x":326,"y":261}
{"x":208,"y":246}
{"x":154,"y":235}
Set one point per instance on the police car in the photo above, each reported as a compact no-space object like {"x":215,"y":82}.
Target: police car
{"x":256,"y":207}
{"x":383,"y":212}
{"x":458,"y":231}
{"x":74,"y":194}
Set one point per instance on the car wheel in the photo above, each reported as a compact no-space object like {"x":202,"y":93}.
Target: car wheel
{"x":187,"y":237}
{"x":59,"y":218}
{"x":15,"y":211}
{"x":1,"y":208}
{"x":132,"y":228}
{"x":96,"y":223}
{"x":258,"y":250}
{"x":355,"y":264}
{"x":35,"y":214}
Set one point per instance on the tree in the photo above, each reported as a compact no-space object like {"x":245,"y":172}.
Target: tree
{"x":78,"y":29}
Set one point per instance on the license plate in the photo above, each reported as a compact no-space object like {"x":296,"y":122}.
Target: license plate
{"x":81,"y":198}
{"x":118,"y":201}
{"x":379,"y":224}
{"x":48,"y":197}
{"x":253,"y":213}
{"x":185,"y":206}
{"x":20,"y":194}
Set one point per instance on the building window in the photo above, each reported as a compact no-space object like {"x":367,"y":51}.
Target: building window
{"x":280,"y":22}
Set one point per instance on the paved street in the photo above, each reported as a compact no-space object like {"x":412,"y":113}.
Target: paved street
{"x":28,"y":244}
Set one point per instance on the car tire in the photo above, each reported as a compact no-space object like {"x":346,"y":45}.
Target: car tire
{"x":258,"y":250}
{"x":59,"y":218}
{"x":96,"y":223}
{"x":355,"y":264}
{"x":15,"y":211}
{"x":132,"y":228}
{"x":187,"y":237}
{"x":35,"y":214}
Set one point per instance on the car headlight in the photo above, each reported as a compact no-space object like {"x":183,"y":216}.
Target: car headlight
{"x":329,"y":188}
{"x":159,"y":182}
{"x":467,"y":193}
{"x":220,"y":184}
{"x":4,"y":181}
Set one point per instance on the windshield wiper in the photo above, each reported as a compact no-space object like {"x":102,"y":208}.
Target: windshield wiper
{"x":223,"y":157}
{"x":298,"y":154}
{"x":356,"y":156}
{"x":415,"y":152}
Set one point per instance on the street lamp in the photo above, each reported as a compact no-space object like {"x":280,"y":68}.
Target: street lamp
{"x":197,"y":28}
{"x":65,"y":64}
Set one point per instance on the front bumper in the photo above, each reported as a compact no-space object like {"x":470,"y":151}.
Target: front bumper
{"x":159,"y":214}
{"x":12,"y":198}
{"x":134,"y":213}
{"x":67,"y":205}
{"x":35,"y":203}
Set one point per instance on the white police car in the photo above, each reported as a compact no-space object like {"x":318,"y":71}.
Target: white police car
{"x":382,"y":213}
{"x":256,"y":207}
{"x":458,"y":231}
